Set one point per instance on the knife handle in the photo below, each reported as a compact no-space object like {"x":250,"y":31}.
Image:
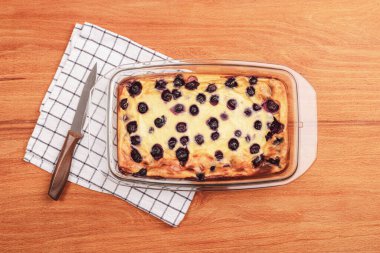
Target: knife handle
{"x":62,"y":169}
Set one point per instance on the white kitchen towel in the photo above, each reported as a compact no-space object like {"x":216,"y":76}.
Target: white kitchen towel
{"x":90,"y":44}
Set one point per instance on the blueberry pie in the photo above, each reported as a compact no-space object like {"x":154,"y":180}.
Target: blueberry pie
{"x":202,"y":127}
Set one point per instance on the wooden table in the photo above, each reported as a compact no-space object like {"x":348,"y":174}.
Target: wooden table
{"x":334,"y":207}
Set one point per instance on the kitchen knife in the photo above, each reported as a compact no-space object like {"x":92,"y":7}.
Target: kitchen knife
{"x":62,"y":168}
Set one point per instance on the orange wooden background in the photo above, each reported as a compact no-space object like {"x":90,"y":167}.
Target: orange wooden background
{"x":334,"y":207}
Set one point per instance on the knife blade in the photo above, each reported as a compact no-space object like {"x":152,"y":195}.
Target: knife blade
{"x":62,"y":168}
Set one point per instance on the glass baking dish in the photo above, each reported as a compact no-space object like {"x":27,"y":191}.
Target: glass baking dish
{"x":293,"y":82}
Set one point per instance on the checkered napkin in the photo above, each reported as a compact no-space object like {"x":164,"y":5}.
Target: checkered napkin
{"x":90,"y":44}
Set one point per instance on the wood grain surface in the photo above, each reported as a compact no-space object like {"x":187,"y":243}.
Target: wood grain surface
{"x":334,"y":207}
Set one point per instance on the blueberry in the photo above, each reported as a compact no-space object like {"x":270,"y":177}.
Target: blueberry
{"x":142,"y":107}
{"x":182,"y":155}
{"x":224,"y":116}
{"x":201,"y":98}
{"x":248,"y":138}
{"x":271,"y":106}
{"x":178,"y":108}
{"x":172,"y":142}
{"x":201,"y":176}
{"x":135,"y":155}
{"x":199,"y":139}
{"x":256,"y":107}
{"x":212,"y":168}
{"x":233,"y":144}
{"x":250,"y":91}
{"x":159,"y":122}
{"x":157,"y":152}
{"x":274,"y":161}
{"x":231,"y":104}
{"x":253,"y":80}
{"x":268,"y":136}
{"x":212,"y":123}
{"x":132,"y":127}
{"x":214,"y":100}
{"x":231,"y":82}
{"x":178,"y":81}
{"x":181,"y":127}
{"x":135,"y":140}
{"x":141,"y":172}
{"x":218,"y":155}
{"x":237,"y":133}
{"x":184,"y":140}
{"x":257,"y":125}
{"x":254,"y":149}
{"x":151,"y":130}
{"x":166,"y":95}
{"x":124,"y":103}
{"x":276,"y":127}
{"x":211,"y":88}
{"x":160,"y":84}
{"x":192,"y":83}
{"x":248,"y":112}
{"x":278,"y":141}
{"x":134,"y":88}
{"x":214,"y":136}
{"x":176,"y":94}
{"x":257,"y":161}
{"x":194,"y":110}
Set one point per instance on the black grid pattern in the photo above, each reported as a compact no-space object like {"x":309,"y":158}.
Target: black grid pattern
{"x":88,"y":45}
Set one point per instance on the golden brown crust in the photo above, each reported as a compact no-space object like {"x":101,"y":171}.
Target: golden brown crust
{"x":235,"y":164}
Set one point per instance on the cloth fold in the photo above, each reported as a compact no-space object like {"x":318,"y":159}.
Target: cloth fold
{"x":90,"y":44}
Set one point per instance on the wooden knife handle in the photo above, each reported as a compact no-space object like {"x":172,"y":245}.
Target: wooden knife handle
{"x":62,"y":169}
